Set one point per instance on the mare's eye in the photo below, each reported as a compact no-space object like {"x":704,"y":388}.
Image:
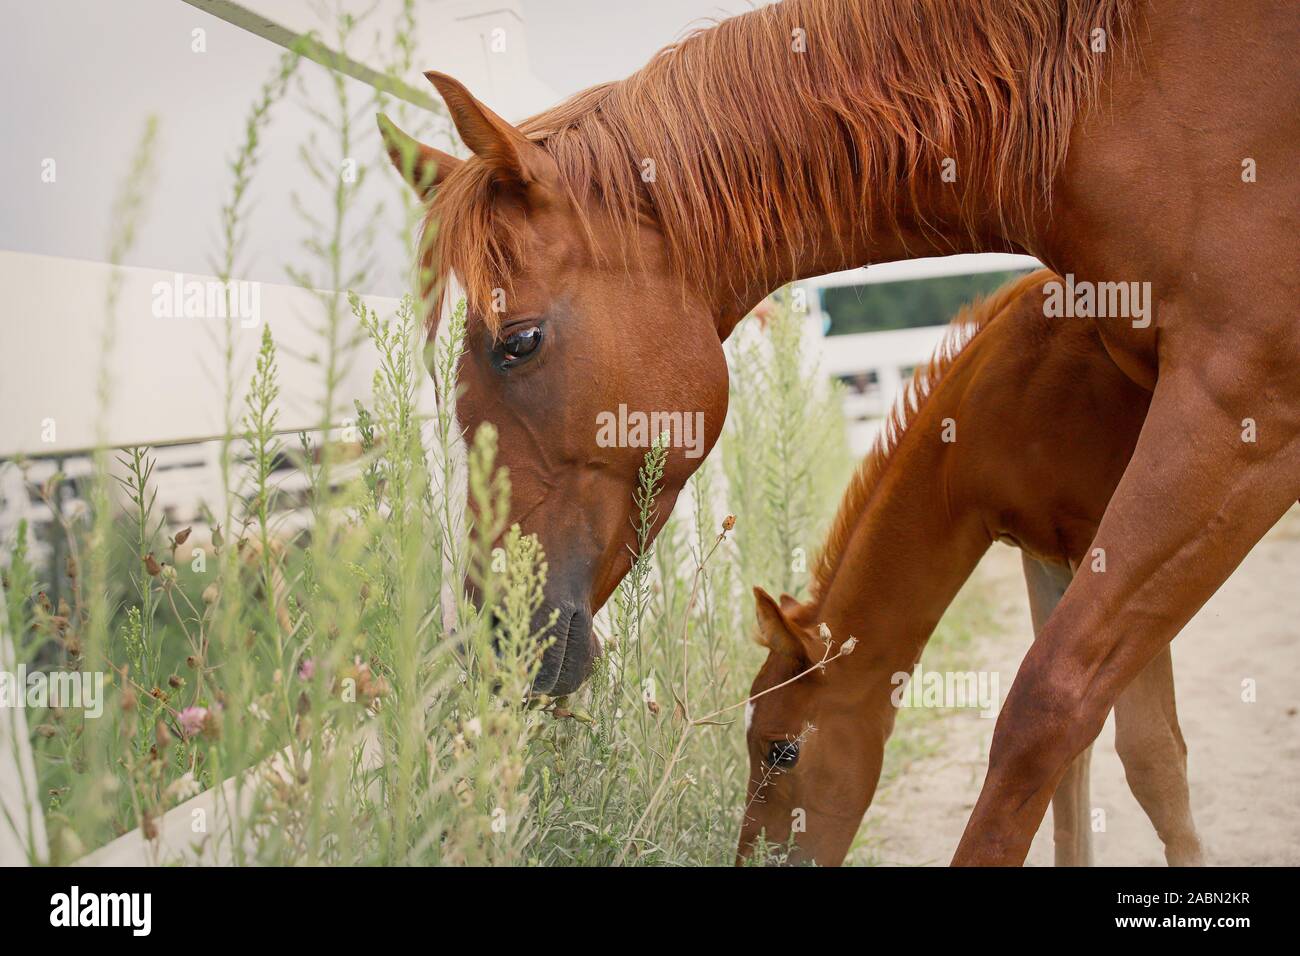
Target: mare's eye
{"x":783,"y":753}
{"x":521,"y":344}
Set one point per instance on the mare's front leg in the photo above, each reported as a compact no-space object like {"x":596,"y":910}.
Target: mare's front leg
{"x":1071,"y":812}
{"x":1194,"y":500}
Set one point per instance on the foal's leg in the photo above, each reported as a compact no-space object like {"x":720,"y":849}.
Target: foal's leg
{"x":1150,"y":743}
{"x":1194,"y":500}
{"x":1147,"y":738}
{"x":1071,"y":833}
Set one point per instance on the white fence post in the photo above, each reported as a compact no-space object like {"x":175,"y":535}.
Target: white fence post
{"x":22,"y":820}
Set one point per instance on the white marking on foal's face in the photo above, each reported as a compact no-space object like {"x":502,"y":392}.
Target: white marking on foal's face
{"x":749,"y":717}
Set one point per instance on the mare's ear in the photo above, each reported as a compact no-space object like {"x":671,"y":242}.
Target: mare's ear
{"x":514,"y":157}
{"x":423,"y":167}
{"x":776,"y":631}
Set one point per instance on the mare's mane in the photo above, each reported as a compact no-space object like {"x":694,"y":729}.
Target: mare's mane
{"x":769,"y":123}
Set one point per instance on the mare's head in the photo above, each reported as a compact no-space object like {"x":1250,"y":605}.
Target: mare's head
{"x":580,"y":330}
{"x":814,"y":759}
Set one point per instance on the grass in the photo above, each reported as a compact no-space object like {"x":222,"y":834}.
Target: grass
{"x":468,"y":776}
{"x":402,"y":734}
{"x":369,"y":712}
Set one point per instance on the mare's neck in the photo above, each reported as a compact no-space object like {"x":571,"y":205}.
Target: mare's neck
{"x":872,"y":157}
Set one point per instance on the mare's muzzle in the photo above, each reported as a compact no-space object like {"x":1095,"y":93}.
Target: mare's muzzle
{"x":567,"y":661}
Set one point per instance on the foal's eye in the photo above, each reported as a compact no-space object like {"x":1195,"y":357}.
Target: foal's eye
{"x":783,"y":753}
{"x":521,"y":344}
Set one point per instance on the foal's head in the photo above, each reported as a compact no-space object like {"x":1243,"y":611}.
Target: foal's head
{"x":813,"y":759}
{"x":573,"y":311}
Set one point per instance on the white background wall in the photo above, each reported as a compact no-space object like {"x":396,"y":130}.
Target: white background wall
{"x":81,"y":76}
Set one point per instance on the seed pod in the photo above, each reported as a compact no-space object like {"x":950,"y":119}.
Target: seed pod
{"x":182,"y":536}
{"x":728,"y":522}
{"x":151,"y":565}
{"x":212,"y":725}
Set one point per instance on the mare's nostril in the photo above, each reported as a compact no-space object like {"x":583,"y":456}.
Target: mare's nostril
{"x":557,"y":636}
{"x":574,"y":664}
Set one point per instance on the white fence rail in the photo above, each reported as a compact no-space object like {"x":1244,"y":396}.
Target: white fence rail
{"x":165,"y":369}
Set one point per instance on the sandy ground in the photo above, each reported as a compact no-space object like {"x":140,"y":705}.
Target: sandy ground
{"x":1243,"y":758}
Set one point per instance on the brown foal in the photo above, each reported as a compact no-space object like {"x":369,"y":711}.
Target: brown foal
{"x":1021,"y":436}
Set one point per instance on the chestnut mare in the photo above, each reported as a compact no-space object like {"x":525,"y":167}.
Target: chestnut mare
{"x":1142,"y":148}
{"x":1041,"y":424}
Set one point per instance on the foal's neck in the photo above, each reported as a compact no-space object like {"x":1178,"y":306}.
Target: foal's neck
{"x":909,"y":550}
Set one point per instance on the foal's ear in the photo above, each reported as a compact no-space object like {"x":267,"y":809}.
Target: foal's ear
{"x":493,"y":140}
{"x":423,"y":167}
{"x":776,"y":631}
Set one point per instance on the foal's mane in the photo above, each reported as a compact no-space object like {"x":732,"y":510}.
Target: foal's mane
{"x":972,"y":319}
{"x":752,"y":141}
